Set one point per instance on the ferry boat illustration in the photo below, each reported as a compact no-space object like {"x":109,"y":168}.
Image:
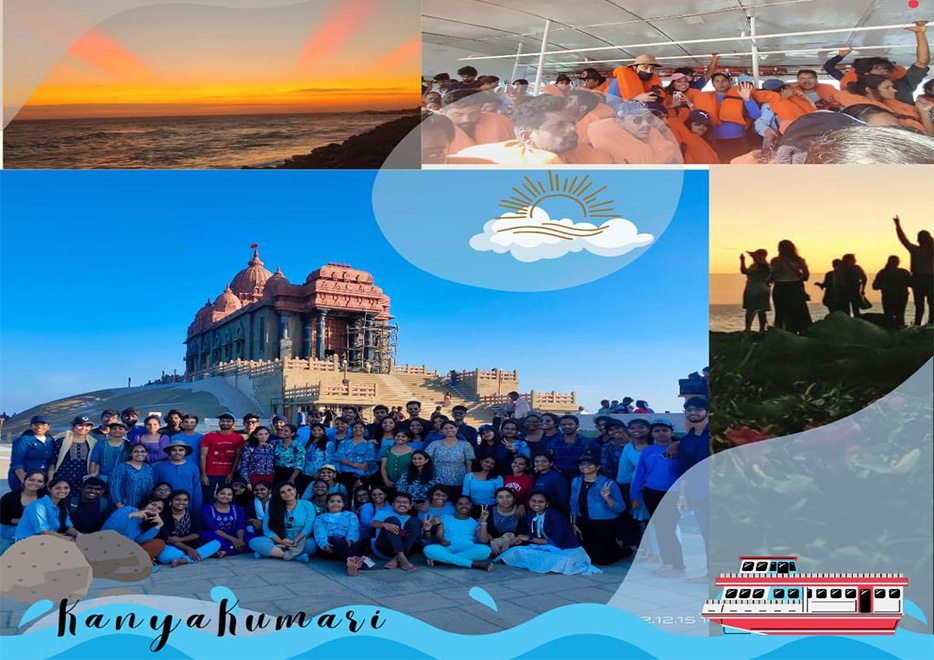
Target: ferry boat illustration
{"x":769,"y":596}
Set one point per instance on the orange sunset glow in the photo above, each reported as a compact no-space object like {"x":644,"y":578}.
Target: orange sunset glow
{"x":825,"y":211}
{"x":325,"y":56}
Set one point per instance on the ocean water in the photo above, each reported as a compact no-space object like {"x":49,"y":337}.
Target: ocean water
{"x":214,"y":142}
{"x":731,"y":318}
{"x":593,"y":631}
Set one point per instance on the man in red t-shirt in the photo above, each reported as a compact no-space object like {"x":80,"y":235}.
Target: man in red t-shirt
{"x":220,"y":454}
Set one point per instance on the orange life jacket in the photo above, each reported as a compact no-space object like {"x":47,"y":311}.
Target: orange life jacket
{"x":823,"y":90}
{"x":491,"y":127}
{"x":584,"y":154}
{"x":602,"y":111}
{"x":696,"y":150}
{"x":631,"y":85}
{"x":907,"y":114}
{"x":553,"y":90}
{"x":729,"y":110}
{"x":626,"y":149}
{"x":787,"y":110}
{"x":850,"y":76}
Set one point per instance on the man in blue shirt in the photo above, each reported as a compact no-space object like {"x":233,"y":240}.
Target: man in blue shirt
{"x":130,"y":416}
{"x":569,"y":447}
{"x":694,"y":449}
{"x":731,"y":139}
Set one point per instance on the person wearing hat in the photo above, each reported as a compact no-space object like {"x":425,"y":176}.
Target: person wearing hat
{"x":635,"y":137}
{"x":110,"y":452}
{"x":596,"y":503}
{"x":89,"y":509}
{"x":220,"y":455}
{"x":639,"y":81}
{"x":179,"y":472}
{"x":679,"y":96}
{"x":191,"y":437}
{"x":72,"y":453}
{"x":758,"y":291}
{"x":31,"y":451}
{"x":593,"y":81}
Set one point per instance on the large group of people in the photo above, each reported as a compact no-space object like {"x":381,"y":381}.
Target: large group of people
{"x":632,"y":116}
{"x":782,"y":281}
{"x":530,"y":491}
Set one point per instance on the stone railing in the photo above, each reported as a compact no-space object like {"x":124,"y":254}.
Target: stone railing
{"x":328,"y":391}
{"x":303,"y":392}
{"x":412,"y":370}
{"x":311,"y":364}
{"x":537,"y":400}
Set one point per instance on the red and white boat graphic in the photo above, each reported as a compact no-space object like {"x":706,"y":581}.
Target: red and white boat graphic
{"x":769,"y":596}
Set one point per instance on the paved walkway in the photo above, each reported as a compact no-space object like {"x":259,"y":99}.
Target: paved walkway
{"x":438,"y":595}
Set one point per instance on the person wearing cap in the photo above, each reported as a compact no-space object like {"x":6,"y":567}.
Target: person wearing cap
{"x":679,"y":96}
{"x":699,"y":82}
{"x":89,"y":509}
{"x":593,"y":81}
{"x":179,"y":472}
{"x":31,"y":451}
{"x":191,"y":437}
{"x":693,"y":136}
{"x":110,"y":452}
{"x":639,"y":81}
{"x":72,"y":453}
{"x":693,"y":449}
{"x":635,"y":138}
{"x":758,"y":290}
{"x":130,"y":417}
{"x":100,"y":431}
{"x":596,"y":503}
{"x":220,"y":454}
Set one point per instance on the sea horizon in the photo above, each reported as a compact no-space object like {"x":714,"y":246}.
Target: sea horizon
{"x":732,"y":318}
{"x":228,"y":141}
{"x":398,"y":111}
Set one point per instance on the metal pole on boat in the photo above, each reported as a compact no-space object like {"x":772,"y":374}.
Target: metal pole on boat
{"x":515,"y":67}
{"x":755,"y":50}
{"x":541,"y":59}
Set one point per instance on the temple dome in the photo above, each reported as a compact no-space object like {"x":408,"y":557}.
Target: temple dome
{"x":248,"y":284}
{"x":227,"y":303}
{"x":202,"y":318}
{"x":275,"y":284}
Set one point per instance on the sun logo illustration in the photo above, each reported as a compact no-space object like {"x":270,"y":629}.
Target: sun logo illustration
{"x":527,"y":231}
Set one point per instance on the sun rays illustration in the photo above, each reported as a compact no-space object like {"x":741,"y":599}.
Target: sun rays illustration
{"x":528,"y":196}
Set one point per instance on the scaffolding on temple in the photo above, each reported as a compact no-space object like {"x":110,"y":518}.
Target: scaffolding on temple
{"x":370,"y":344}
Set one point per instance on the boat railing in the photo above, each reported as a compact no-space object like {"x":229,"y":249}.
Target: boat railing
{"x":798,"y":576}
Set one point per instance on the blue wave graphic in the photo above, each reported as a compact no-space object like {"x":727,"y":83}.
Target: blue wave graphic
{"x":597,"y":631}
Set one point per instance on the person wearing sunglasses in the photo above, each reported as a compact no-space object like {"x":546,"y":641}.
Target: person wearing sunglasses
{"x":635,"y":137}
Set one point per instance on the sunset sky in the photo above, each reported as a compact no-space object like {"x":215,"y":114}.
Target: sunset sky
{"x":825,"y":211}
{"x":327,"y":55}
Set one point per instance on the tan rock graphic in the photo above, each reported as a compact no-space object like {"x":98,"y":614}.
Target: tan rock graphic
{"x":41,"y":567}
{"x":114,"y":557}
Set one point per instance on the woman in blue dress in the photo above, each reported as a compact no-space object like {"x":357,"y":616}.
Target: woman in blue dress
{"x":356,"y":457}
{"x":549,"y":545}
{"x":183,"y":533}
{"x":131,"y":482}
{"x":287,"y":529}
{"x":225,"y":522}
{"x":48,"y":515}
{"x":480,"y":486}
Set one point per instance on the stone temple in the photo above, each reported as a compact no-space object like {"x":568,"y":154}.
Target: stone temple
{"x":336,"y":311}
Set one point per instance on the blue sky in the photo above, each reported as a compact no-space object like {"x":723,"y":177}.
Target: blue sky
{"x":102,"y":272}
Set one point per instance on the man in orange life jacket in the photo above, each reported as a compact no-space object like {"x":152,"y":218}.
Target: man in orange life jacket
{"x":736,"y":110}
{"x":464,"y":107}
{"x":905,"y":80}
{"x":820,"y":93}
{"x":591,"y":80}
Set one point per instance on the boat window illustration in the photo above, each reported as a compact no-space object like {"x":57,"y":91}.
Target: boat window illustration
{"x":730,"y":593}
{"x":773,"y":566}
{"x":762,"y":566}
{"x":851,"y":593}
{"x":822,"y":593}
{"x":865,"y":601}
{"x":836,"y":593}
{"x":794,"y":593}
{"x":879,"y":593}
{"x":758,"y":593}
{"x":792,"y":567}
{"x":783,"y":567}
{"x":810,"y":593}
{"x":778,"y":594}
{"x":895,"y":593}
{"x":747,"y":566}
{"x":744,"y":593}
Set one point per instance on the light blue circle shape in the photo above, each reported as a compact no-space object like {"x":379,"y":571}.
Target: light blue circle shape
{"x":429,"y":217}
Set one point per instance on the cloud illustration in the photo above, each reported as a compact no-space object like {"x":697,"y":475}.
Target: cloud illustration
{"x":537,"y":236}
